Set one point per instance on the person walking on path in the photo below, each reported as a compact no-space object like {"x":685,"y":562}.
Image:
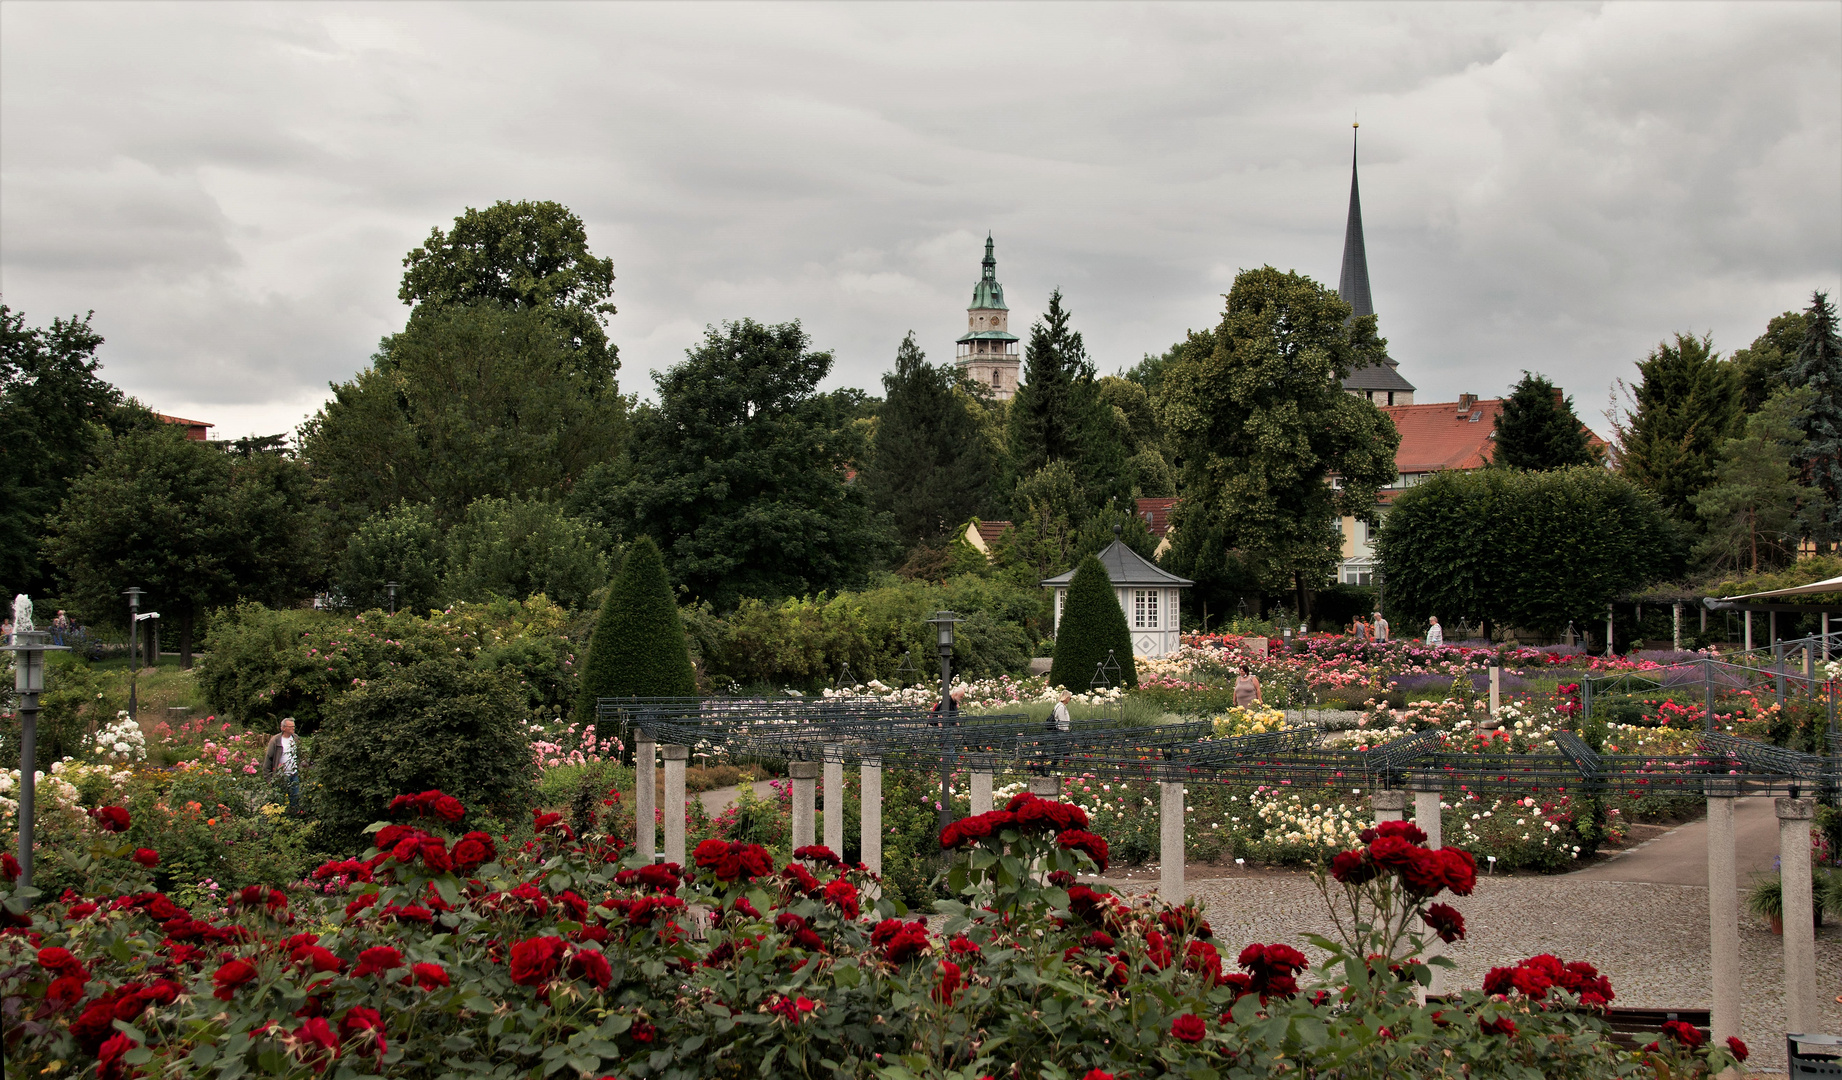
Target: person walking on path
{"x":1059,"y":720}
{"x":1359,"y":630}
{"x":283,"y":757}
{"x":1381,"y":627}
{"x":1435,"y":634}
{"x":1246,"y":688}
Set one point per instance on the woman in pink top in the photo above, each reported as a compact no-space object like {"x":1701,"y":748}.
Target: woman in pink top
{"x":1246,"y":688}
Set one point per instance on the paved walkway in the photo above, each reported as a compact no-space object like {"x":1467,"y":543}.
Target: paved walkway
{"x":1680,"y":856}
{"x":717,"y":800}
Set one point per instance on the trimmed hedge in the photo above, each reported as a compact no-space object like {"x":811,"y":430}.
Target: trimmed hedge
{"x":638,"y":648}
{"x":1092,"y":623}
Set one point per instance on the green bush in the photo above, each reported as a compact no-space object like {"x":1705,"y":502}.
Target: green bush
{"x":403,"y":544}
{"x":437,"y":723}
{"x":513,"y":548}
{"x":638,"y":649}
{"x":1093,"y":624}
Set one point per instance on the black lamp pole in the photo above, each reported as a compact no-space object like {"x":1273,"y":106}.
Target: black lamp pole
{"x":134,"y":645}
{"x":29,"y":648}
{"x":943,"y":626}
{"x":391,"y":588}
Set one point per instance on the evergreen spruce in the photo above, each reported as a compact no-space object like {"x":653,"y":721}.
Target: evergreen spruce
{"x":1818,"y":368}
{"x":638,"y":648}
{"x":932,"y":466}
{"x":1688,"y":401}
{"x":1537,"y":429}
{"x":1092,"y":623}
{"x":1059,"y":413}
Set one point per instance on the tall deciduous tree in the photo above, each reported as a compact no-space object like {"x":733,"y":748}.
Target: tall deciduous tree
{"x":1537,"y":429}
{"x":1686,"y":402}
{"x":1760,"y":367}
{"x":1535,"y":550}
{"x":931,"y":467}
{"x":522,"y":255}
{"x":517,"y":548}
{"x":1818,"y":369}
{"x":193,"y":525}
{"x":638,"y":648}
{"x":468,"y":402}
{"x":1757,"y":506}
{"x":741,"y":471}
{"x":1260,"y":423}
{"x":1058,"y":413}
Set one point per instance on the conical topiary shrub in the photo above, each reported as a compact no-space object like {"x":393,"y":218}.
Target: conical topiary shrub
{"x":638,"y":648}
{"x":1092,"y":623}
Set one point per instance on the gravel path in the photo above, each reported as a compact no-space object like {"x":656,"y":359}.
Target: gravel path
{"x":1651,"y":939}
{"x":717,"y":800}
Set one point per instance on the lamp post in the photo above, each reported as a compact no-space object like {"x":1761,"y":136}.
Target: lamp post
{"x":391,"y":588}
{"x":134,"y":629}
{"x":28,"y":648}
{"x":942,"y":622}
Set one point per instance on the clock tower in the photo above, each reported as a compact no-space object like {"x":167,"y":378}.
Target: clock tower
{"x":988,"y":352}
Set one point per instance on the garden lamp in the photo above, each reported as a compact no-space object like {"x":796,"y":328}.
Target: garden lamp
{"x":942,"y":622}
{"x":391,"y":588}
{"x":134,"y":595}
{"x":28,"y":648}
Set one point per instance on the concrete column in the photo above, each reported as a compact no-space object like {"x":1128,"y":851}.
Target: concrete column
{"x":1800,"y":1002}
{"x":645,"y":777}
{"x":834,"y":799}
{"x":870,"y":815}
{"x":1608,"y":629}
{"x":1426,"y":815}
{"x":805,"y":783}
{"x":1496,"y":690}
{"x":1748,"y":642}
{"x":981,"y":768}
{"x":1388,"y":805}
{"x":1170,"y":842}
{"x":1723,"y":911}
{"x":870,"y":801}
{"x":1676,"y":611}
{"x":673,"y":801}
{"x":1046,"y":787}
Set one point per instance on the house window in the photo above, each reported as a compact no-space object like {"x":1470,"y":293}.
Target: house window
{"x":1145,"y":609}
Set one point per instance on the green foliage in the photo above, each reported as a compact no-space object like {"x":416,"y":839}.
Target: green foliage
{"x":932,"y":465}
{"x":740,"y":471}
{"x":435,"y":723}
{"x":1059,"y":415}
{"x":468,"y":401}
{"x":1818,"y":369}
{"x":1096,"y":534}
{"x":1093,"y":624}
{"x":1756,"y":508}
{"x":638,"y":648}
{"x":1524,"y":549}
{"x":1760,"y":367}
{"x":194,"y":526}
{"x":1259,"y":420}
{"x":1688,"y":402}
{"x":1049,"y":507}
{"x":526,"y":255}
{"x":403,"y":544}
{"x":1538,"y":430}
{"x":513,"y":548}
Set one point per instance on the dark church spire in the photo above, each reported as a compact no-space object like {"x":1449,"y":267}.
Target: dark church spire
{"x":1353,"y":286}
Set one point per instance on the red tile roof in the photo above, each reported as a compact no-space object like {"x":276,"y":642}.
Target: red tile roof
{"x":1156,"y":513}
{"x":195,"y":429}
{"x":1440,"y":436}
{"x":989,"y":531}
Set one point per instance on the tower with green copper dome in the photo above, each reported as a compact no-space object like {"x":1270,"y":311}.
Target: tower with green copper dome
{"x":988,"y":352}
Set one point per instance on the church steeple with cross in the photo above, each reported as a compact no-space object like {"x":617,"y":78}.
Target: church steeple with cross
{"x":1382,"y":382}
{"x":988,"y":351}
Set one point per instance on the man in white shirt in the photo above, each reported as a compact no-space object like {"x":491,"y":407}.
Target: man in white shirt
{"x":1381,"y":627}
{"x":283,"y":757}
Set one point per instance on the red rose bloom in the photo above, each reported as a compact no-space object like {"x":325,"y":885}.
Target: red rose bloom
{"x":1392,"y":852}
{"x":319,"y":1044}
{"x":1351,"y":867}
{"x":9,"y":867}
{"x":591,"y":966}
{"x":429,"y":976}
{"x":147,"y":857}
{"x":109,"y":1063}
{"x":1460,"y":870}
{"x":360,"y":1019}
{"x":1189,"y":1027}
{"x":230,"y":976}
{"x":1079,"y":840}
{"x":65,"y":991}
{"x":318,"y":958}
{"x":535,"y":960}
{"x":1406,"y":830}
{"x":448,"y":808}
{"x":56,"y":958}
{"x":1096,"y":1074}
{"x":1500,"y":1026}
{"x":642,"y":1031}
{"x":377,"y":960}
{"x":1446,"y":922}
{"x":111,"y":818}
{"x":948,"y":986}
{"x":842,"y":895}
{"x":1424,"y":873}
{"x":1688,"y":1035}
{"x":818,"y":853}
{"x":1737,"y":1048}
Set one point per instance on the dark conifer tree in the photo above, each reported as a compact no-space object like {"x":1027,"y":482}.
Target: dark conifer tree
{"x":1538,"y":430}
{"x":1058,"y":413}
{"x":1818,"y":368}
{"x":638,"y":648}
{"x":1092,"y":624}
{"x":1688,"y":401}
{"x":931,"y":467}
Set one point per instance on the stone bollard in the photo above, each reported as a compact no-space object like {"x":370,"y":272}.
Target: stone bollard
{"x":1800,"y":1003}
{"x":1171,"y":886}
{"x":982,"y":768}
{"x":805,"y":776}
{"x":870,"y":801}
{"x":1046,"y":787}
{"x":673,"y":802}
{"x":1723,"y":911}
{"x":834,"y":798}
{"x":1388,"y":805}
{"x":1427,"y":815}
{"x":1496,"y":690}
{"x":645,"y":776}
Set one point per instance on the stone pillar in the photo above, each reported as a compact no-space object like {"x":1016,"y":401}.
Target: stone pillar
{"x":1608,"y":629}
{"x":870,"y":801}
{"x":1801,"y":1011}
{"x":1496,"y":690}
{"x":981,"y":767}
{"x":1046,"y":787}
{"x":1676,"y":610}
{"x":1723,"y":911}
{"x":1388,"y":805}
{"x":645,"y":776}
{"x":1427,"y":815}
{"x":1748,"y":642}
{"x":673,"y":801}
{"x":805,"y":776}
{"x":834,"y":799}
{"x":1170,"y":842}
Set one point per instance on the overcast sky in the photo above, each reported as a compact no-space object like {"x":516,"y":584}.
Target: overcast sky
{"x":232,"y":187}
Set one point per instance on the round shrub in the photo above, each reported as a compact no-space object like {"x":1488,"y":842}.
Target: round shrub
{"x":438,"y":723}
